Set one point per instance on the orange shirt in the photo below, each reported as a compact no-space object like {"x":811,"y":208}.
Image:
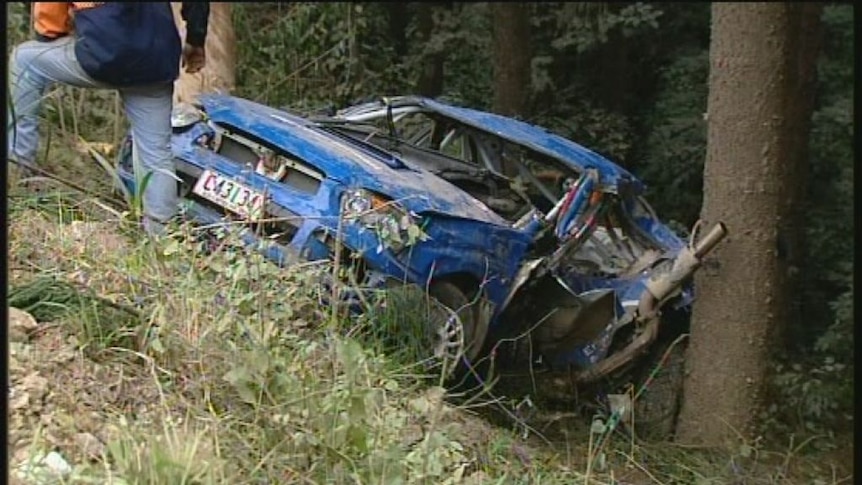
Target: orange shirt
{"x":54,"y":19}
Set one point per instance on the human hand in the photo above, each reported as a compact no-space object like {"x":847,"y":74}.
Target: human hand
{"x":194,"y":58}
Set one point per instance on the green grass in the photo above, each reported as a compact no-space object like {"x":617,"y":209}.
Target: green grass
{"x":255,"y":380}
{"x":244,"y":354}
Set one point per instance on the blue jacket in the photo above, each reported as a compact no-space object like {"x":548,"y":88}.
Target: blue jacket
{"x":124,"y":43}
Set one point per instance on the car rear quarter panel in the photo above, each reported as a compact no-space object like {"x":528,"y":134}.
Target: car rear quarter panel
{"x":491,"y":254}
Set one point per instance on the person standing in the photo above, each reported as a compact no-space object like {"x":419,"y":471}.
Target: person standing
{"x":134,"y":48}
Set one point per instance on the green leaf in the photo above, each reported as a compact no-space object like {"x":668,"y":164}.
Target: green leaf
{"x":237,"y":375}
{"x":156,"y":345}
{"x":172,"y":247}
{"x":240,"y":379}
{"x":413,"y":234}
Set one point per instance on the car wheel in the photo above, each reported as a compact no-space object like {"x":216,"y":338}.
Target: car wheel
{"x":462,"y":336}
{"x":657,"y":408}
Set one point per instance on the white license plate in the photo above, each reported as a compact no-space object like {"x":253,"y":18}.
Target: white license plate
{"x":230,"y":194}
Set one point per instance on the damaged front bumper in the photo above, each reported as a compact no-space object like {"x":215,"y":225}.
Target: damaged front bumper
{"x":580,"y":319}
{"x":659,"y":288}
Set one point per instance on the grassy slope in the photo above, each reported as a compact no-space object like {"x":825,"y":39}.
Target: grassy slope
{"x":216,"y":367}
{"x":158,"y":363}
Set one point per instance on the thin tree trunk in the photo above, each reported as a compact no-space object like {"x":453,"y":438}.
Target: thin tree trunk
{"x":430,"y":81}
{"x":511,"y":57}
{"x":756,"y":141}
{"x":806,"y":18}
{"x":219,"y":74}
{"x":399,"y":19}
{"x":613,"y":63}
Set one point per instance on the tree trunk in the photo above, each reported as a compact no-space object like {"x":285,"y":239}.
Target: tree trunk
{"x":219,"y":74}
{"x":806,"y":17}
{"x":615,"y":86}
{"x":430,"y":81}
{"x":757,"y":139}
{"x":399,"y":19}
{"x":511,"y":57}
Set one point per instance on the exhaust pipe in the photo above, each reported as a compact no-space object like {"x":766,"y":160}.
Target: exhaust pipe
{"x":711,"y":240}
{"x":657,"y":289}
{"x":686,"y":263}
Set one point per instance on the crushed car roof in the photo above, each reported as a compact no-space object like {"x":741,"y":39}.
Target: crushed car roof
{"x":537,"y":138}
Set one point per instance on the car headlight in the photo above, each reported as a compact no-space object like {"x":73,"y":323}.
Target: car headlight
{"x":394,"y":226}
{"x":185,"y":114}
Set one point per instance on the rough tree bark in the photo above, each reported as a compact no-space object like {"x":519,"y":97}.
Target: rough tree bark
{"x":511,"y":57}
{"x":219,"y":74}
{"x":761,"y":69}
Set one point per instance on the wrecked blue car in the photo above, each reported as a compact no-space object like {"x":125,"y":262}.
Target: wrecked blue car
{"x":518,"y":231}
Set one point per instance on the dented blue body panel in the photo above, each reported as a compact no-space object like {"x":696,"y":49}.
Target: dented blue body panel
{"x":347,"y":164}
{"x":465,"y":236}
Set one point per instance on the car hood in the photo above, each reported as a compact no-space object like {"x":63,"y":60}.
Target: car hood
{"x":611,"y":175}
{"x":354,"y":166}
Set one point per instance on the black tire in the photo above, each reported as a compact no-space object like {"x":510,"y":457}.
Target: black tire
{"x":475,"y":330}
{"x":657,"y":408}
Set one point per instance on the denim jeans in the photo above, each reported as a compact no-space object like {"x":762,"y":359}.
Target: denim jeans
{"x":35,"y":66}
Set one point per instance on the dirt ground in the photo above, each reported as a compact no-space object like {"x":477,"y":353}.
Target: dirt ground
{"x":60,"y":400}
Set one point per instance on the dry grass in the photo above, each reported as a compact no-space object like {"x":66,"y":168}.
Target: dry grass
{"x":214,"y":355}
{"x":179,"y":366}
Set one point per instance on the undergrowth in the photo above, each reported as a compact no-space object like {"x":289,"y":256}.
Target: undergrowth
{"x":257,"y":382}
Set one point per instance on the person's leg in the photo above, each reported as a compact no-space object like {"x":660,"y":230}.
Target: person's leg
{"x":34,"y":67}
{"x":149,"y":112}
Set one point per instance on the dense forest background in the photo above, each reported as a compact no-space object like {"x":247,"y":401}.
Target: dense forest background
{"x":627,"y":79}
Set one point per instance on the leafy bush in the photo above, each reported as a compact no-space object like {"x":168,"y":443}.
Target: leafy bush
{"x":308,"y":55}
